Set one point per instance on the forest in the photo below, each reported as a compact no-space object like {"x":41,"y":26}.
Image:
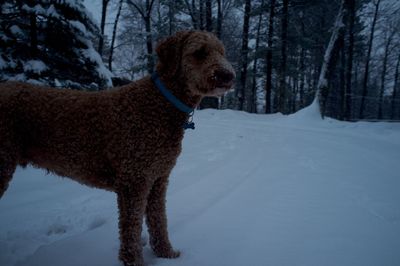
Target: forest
{"x":285,"y":52}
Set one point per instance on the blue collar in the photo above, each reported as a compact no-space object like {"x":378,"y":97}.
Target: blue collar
{"x":175,"y":101}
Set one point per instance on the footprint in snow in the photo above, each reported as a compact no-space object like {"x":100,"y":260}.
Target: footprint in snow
{"x":96,"y":223}
{"x":57,"y":229}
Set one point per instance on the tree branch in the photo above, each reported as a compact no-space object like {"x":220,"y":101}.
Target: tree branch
{"x":137,"y":7}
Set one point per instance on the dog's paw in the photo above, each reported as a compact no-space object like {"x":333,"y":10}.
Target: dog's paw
{"x":175,"y":254}
{"x":172,"y":254}
{"x":133,"y":264}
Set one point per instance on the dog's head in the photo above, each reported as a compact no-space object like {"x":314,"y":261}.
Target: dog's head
{"x":198,"y":59}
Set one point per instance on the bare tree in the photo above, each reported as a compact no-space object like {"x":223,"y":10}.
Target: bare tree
{"x":282,"y":69}
{"x":395,"y":89}
{"x":342,"y":74}
{"x":241,"y":93}
{"x":201,"y":14}
{"x":218,"y":30}
{"x":114,"y":34}
{"x":368,"y":59}
{"x":104,"y":6}
{"x":145,"y":13}
{"x":268,"y":84}
{"x":208,"y":16}
{"x":171,"y":17}
{"x":192,"y":9}
{"x":388,"y":41}
{"x":302,"y":62}
{"x":322,"y":86}
{"x":253,"y":95}
{"x":350,"y":52}
{"x":209,"y":102}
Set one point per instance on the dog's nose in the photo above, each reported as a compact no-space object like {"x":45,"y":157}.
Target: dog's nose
{"x":224,"y":76}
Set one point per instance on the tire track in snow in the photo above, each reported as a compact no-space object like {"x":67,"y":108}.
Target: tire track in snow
{"x":214,"y":180}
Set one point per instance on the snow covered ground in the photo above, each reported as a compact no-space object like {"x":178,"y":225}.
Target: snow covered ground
{"x":247,"y":190}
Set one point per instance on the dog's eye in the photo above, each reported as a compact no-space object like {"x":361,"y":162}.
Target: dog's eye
{"x":200,"y":53}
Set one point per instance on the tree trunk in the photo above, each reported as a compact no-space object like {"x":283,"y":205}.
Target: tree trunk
{"x":219,"y":34}
{"x":268,"y":84}
{"x":201,"y":14}
{"x":102,"y":25}
{"x":171,"y":16}
{"x":282,"y":70}
{"x":209,"y":102}
{"x":193,"y":13}
{"x":351,"y":9}
{"x":219,"y":19}
{"x":342,"y":76}
{"x":302,"y":66}
{"x":114,"y":34}
{"x":244,"y":52}
{"x":294,"y":85}
{"x":253,"y":100}
{"x":322,"y":86}
{"x":195,"y":16}
{"x":208,"y":16}
{"x":383,"y":76}
{"x":395,"y":88}
{"x":149,"y":45}
{"x":366,"y":71}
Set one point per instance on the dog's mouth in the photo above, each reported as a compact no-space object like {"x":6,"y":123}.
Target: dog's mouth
{"x":221,"y":88}
{"x":221,"y":83}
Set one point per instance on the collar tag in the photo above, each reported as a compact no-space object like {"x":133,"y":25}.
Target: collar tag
{"x":188,"y":125}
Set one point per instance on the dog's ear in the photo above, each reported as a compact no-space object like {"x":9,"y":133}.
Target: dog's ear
{"x":169,"y":52}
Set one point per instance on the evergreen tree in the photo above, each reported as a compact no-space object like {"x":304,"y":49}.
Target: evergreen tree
{"x":49,"y":42}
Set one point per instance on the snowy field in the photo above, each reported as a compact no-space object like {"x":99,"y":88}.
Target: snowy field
{"x":247,"y":190}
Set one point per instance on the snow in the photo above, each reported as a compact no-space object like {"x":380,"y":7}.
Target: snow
{"x":79,"y":5}
{"x":17,"y":77}
{"x":16,"y":31}
{"x":3,"y":64}
{"x":37,"y":9}
{"x":52,"y":12}
{"x":35,"y":66}
{"x":247,"y":190}
{"x":94,"y":56}
{"x":79,"y":26}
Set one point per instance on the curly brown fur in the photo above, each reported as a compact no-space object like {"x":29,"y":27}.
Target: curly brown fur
{"x":124,"y":140}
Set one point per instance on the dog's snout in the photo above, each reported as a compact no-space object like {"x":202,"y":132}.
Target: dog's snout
{"x":224,"y":76}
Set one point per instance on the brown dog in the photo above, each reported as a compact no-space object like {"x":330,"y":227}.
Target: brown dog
{"x":125,"y":140}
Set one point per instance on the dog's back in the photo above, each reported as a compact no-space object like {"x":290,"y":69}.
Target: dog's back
{"x":86,"y":136}
{"x":56,"y":129}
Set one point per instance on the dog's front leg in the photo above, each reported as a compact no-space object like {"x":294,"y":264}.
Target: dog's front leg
{"x":156,"y":219}
{"x":131,"y":204}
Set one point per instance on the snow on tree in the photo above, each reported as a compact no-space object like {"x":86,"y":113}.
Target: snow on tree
{"x":49,"y":42}
{"x":322,"y":86}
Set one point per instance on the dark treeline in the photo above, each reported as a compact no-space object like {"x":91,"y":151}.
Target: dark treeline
{"x":277,"y":47}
